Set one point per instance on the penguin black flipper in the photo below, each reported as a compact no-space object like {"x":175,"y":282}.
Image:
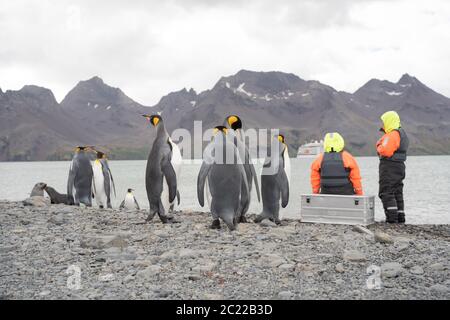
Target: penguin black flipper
{"x":245,"y":192}
{"x":70,"y":182}
{"x":107,"y":172}
{"x":122,"y":205}
{"x":112,"y":182}
{"x":171,"y":178}
{"x":283,"y":184}
{"x":136,"y":203}
{"x":255,"y":178}
{"x":178,"y":197}
{"x":201,"y":180}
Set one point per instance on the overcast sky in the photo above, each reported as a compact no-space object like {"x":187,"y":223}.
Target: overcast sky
{"x":150,"y":48}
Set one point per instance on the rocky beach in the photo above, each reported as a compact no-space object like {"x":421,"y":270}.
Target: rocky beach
{"x":67,"y":252}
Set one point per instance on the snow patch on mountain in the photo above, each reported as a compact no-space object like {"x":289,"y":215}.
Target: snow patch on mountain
{"x":394,"y":93}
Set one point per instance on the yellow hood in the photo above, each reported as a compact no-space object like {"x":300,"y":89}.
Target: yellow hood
{"x":333,"y":141}
{"x":391,"y":121}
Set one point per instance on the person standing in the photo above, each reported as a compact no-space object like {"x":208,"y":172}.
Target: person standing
{"x":335,"y":171}
{"x":392,"y":149}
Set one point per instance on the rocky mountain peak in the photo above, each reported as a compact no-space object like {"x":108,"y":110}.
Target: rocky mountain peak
{"x":407,"y":79}
{"x":95,"y":92}
{"x":255,"y":83}
{"x":43,"y":95}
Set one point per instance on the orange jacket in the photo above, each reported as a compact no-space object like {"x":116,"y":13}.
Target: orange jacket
{"x":349,"y":162}
{"x":388,"y":144}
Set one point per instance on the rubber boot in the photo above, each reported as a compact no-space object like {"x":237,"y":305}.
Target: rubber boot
{"x":391,"y":216}
{"x":401,"y":216}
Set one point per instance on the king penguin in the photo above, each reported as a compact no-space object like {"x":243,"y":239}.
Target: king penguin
{"x":130,"y":202}
{"x":103,"y":181}
{"x":275,"y":181}
{"x":227,"y":182}
{"x":236,"y":135}
{"x":163,"y":167}
{"x":79,"y":183}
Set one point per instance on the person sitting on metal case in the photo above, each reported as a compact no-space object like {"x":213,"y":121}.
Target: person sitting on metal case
{"x":335,"y":171}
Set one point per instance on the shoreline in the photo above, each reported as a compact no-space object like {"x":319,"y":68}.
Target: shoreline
{"x":119,"y":256}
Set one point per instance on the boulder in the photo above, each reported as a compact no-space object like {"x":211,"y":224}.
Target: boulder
{"x":391,"y":269}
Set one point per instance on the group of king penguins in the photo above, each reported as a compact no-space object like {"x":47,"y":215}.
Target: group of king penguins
{"x":93,"y":180}
{"x":226,"y":176}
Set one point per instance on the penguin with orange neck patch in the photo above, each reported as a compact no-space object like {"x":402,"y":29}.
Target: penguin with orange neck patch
{"x":235,"y":134}
{"x":79,"y":182}
{"x":275,"y":181}
{"x":102,"y":181}
{"x":163,"y":165}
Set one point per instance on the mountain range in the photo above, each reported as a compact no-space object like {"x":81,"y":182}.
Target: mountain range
{"x":34,"y":126}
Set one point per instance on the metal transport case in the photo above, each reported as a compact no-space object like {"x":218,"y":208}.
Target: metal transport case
{"x":338,"y":209}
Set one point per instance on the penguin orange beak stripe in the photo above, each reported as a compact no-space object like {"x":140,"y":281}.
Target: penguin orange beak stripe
{"x":232,"y":119}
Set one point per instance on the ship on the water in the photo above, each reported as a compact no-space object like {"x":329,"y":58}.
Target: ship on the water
{"x":310,"y":150}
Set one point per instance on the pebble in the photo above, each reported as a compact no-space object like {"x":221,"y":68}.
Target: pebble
{"x":383,"y":237}
{"x":440,"y":288}
{"x":391,"y":269}
{"x":437,"y":267}
{"x":416,"y":270}
{"x":340,"y":268}
{"x":354,"y":256}
{"x":285,"y":295}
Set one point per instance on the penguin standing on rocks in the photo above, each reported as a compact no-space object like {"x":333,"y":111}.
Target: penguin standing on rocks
{"x":275,"y":181}
{"x":130,"y":202}
{"x":235,"y":134}
{"x":103,"y":181}
{"x":79,"y":183}
{"x":227,"y":180}
{"x":163,"y":166}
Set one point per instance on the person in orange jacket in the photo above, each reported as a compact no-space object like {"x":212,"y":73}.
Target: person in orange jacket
{"x":335,"y":171}
{"x":392,"y":149}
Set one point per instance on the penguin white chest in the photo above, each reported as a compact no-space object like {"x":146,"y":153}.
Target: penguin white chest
{"x":99,"y":183}
{"x":129,"y":202}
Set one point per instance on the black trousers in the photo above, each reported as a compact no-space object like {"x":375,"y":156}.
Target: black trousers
{"x":391,"y":178}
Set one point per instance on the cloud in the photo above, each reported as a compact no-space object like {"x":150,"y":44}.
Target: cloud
{"x":149,"y":48}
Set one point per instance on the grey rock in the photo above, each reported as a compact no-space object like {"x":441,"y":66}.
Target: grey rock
{"x":267,"y":224}
{"x":391,"y":269}
{"x":416,"y":270}
{"x":437,"y":267}
{"x":103,"y":241}
{"x":106,"y":277}
{"x":439,"y":288}
{"x":204,"y":267}
{"x":354,"y":256}
{"x":340,"y":268}
{"x":149,"y":272}
{"x":285,"y":295}
{"x":383,"y":237}
{"x":193,"y":277}
{"x":286,"y":267}
{"x":401,"y":246}
{"x":213,"y":296}
{"x":57,"y":219}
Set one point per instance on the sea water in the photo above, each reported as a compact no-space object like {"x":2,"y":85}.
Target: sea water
{"x":426,"y":191}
